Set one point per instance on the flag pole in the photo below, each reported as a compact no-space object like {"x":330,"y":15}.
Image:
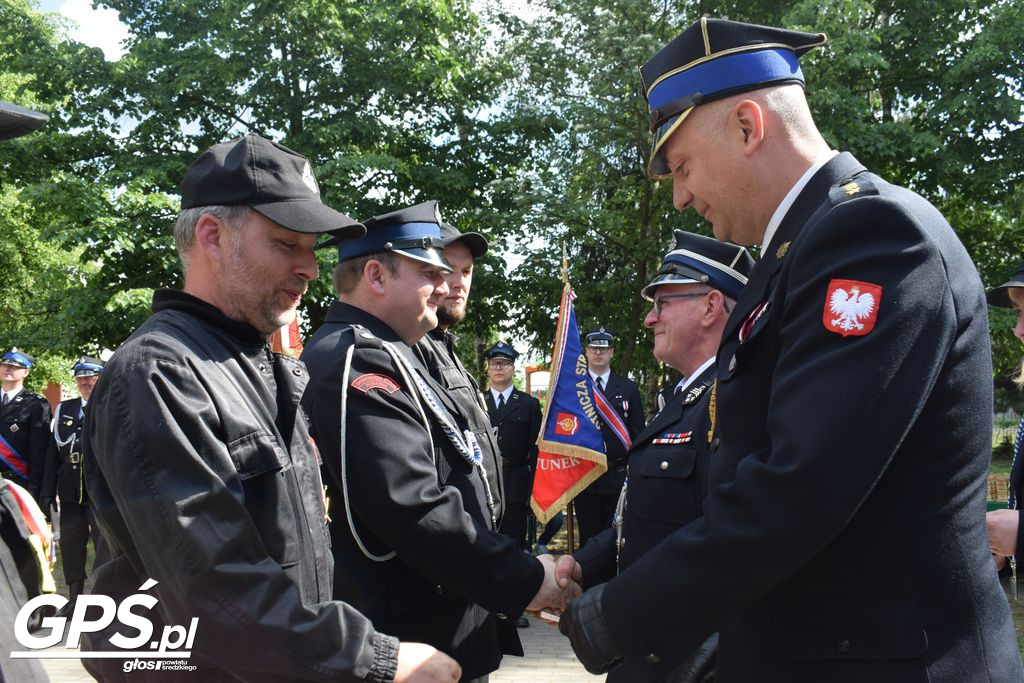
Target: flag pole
{"x":570,"y":508}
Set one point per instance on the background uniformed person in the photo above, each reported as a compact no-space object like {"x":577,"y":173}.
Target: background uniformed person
{"x":413,"y":532}
{"x":845,"y":539}
{"x":516,"y":417}
{"x":694,"y":291}
{"x":64,"y":478}
{"x":24,"y":424}
{"x":595,"y":506}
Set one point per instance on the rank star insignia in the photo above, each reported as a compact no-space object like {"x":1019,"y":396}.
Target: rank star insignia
{"x":783,"y":248}
{"x":851,"y":307}
{"x":851,"y":188}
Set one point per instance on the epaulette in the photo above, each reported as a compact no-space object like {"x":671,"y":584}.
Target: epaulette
{"x":364,"y":339}
{"x":851,"y":188}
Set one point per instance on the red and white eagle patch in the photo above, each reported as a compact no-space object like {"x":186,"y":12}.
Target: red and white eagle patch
{"x":851,"y":307}
{"x":365,"y":383}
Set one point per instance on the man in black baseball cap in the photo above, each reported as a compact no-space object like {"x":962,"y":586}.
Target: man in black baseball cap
{"x":206,"y":479}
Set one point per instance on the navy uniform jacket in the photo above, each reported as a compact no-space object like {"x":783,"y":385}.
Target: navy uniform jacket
{"x":437,"y":353}
{"x":424,"y":563}
{"x":664,"y":490}
{"x":845,"y":540}
{"x":518,"y":426}
{"x":25,"y":426}
{"x":64,"y":463}
{"x":624,"y":396}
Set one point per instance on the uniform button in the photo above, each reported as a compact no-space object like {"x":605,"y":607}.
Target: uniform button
{"x":843,"y":646}
{"x":714,"y":444}
{"x":732,"y":363}
{"x":263,"y":368}
{"x":500,"y":616}
{"x":664,"y":464}
{"x":297,"y":372}
{"x":653,"y":659}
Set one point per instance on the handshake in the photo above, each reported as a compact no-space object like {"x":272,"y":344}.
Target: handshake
{"x":561,"y":585}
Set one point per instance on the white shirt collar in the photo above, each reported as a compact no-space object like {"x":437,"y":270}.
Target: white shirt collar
{"x":10,"y":395}
{"x":687,"y":381}
{"x":507,"y":393}
{"x":604,"y":377}
{"x":787,"y":201}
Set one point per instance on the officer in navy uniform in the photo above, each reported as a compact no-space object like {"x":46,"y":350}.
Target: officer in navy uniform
{"x":437,"y":352}
{"x":843,"y":537}
{"x":24,"y":425}
{"x":595,"y":506}
{"x":64,"y":479}
{"x":694,"y":290}
{"x":515,"y":416}
{"x":413,"y":523}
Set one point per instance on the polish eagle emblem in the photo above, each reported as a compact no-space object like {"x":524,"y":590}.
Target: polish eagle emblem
{"x":851,"y":307}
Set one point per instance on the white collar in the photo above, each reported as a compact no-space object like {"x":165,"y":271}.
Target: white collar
{"x":783,"y":208}
{"x":604,"y":377}
{"x":10,"y":395}
{"x":507,"y":393}
{"x":687,"y":381}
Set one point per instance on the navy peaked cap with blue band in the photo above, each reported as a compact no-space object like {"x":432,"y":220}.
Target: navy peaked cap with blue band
{"x":414,"y":231}
{"x":501,"y":350}
{"x":703,"y":260}
{"x":18,"y":358}
{"x":87,"y":367}
{"x":601,"y":339}
{"x":712,"y":59}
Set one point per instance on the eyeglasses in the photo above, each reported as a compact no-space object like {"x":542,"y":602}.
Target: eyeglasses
{"x":659,"y":301}
{"x":499,"y":364}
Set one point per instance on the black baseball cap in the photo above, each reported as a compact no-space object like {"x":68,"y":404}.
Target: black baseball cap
{"x":267,"y":177}
{"x":474,"y":241}
{"x":1000,"y":296}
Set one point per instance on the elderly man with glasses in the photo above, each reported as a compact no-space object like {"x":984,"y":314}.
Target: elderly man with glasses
{"x":692,"y":294}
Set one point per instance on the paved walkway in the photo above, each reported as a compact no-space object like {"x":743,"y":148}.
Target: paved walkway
{"x":549,"y":659}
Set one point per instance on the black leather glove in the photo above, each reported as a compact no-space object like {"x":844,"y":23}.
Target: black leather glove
{"x":699,"y":665}
{"x":46,"y":505}
{"x":584,"y":625}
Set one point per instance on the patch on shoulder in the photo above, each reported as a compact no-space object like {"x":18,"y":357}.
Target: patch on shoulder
{"x":365,"y":383}
{"x":694,"y":393}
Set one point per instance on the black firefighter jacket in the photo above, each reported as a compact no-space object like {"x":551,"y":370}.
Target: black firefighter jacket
{"x":414,"y":543}
{"x":203,"y":478}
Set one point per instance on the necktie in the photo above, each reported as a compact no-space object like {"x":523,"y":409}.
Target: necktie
{"x":501,"y":401}
{"x":6,"y":399}
{"x":600,"y":383}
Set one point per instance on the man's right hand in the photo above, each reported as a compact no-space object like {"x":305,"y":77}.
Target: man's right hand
{"x":422,"y":663}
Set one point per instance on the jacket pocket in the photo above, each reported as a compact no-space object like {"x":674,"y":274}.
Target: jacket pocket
{"x":662,"y":485}
{"x":270,"y":493}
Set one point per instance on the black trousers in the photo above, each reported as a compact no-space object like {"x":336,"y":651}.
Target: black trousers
{"x":76,"y":526}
